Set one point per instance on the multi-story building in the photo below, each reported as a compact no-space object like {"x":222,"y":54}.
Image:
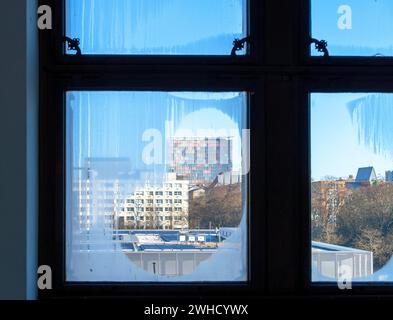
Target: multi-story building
{"x":96,"y":202}
{"x":163,"y":206}
{"x":201,"y":159}
{"x":97,"y":191}
{"x":389,"y":176}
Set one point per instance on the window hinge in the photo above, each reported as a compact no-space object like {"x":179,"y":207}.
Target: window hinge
{"x":238,"y":44}
{"x":320,"y":46}
{"x":73,"y":44}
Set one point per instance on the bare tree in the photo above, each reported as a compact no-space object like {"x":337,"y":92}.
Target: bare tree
{"x":219,"y":207}
{"x":365,"y":221}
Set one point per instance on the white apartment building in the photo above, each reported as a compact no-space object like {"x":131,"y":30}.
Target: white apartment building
{"x":95,"y":202}
{"x":163,"y":206}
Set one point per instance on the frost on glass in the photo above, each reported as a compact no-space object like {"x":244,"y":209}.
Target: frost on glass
{"x":352,"y":187}
{"x":156,"y":186}
{"x":354,"y":27}
{"x":169,"y":27}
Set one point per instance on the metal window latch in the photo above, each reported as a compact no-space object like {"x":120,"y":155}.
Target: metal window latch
{"x":238,"y":44}
{"x":320,"y":46}
{"x":73,"y":44}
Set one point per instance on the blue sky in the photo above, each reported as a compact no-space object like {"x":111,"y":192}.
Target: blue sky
{"x":335,"y":146}
{"x":372,"y":25}
{"x":156,"y":26}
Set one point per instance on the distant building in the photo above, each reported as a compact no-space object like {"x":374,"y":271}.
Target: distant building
{"x":96,"y":191}
{"x":366,"y":174}
{"x":163,"y":206}
{"x":169,"y":253}
{"x":201,"y":160}
{"x":365,"y":177}
{"x":389,"y":176}
{"x":229,"y":178}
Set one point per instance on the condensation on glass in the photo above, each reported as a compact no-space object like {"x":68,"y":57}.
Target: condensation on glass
{"x":157,"y":186}
{"x":352,"y":187}
{"x":354,"y":27}
{"x":156,"y":27}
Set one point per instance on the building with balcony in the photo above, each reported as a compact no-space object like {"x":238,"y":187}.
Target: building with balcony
{"x":156,"y":206}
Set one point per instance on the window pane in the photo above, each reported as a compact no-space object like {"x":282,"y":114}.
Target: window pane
{"x":169,"y":27}
{"x":354,"y":27}
{"x":352,"y":186}
{"x":156,"y":186}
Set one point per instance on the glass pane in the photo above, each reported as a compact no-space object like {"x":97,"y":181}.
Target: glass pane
{"x":168,"y":27}
{"x":156,"y":186}
{"x":354,"y":27}
{"x":352,"y":186}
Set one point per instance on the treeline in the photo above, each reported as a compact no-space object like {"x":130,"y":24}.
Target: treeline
{"x":219,"y":207}
{"x":363,"y":221}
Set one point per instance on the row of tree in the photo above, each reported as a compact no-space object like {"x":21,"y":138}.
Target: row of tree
{"x":218,"y":207}
{"x":364,"y":221}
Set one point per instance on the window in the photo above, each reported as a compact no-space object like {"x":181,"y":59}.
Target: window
{"x":354,"y":27}
{"x":117,"y":136}
{"x":160,"y":27}
{"x":351,"y":190}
